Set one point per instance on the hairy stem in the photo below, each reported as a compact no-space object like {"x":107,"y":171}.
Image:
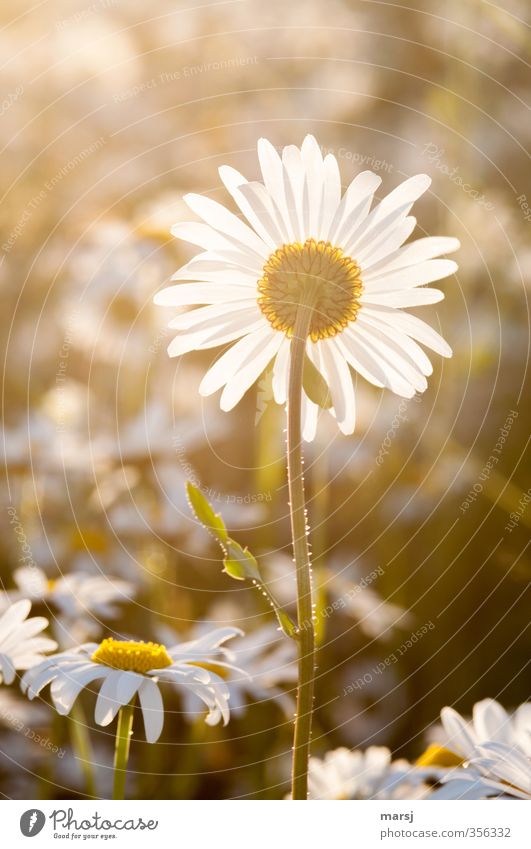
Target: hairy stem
{"x":305,"y":634}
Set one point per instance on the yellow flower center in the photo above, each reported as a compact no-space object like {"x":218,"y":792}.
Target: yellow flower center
{"x":294,"y":269}
{"x":438,"y":756}
{"x":132,"y":655}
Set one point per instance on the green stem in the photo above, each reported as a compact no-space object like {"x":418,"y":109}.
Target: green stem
{"x":121,"y":751}
{"x":82,"y":745}
{"x":305,"y":633}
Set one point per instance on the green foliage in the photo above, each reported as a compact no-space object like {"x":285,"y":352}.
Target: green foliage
{"x":238,"y":562}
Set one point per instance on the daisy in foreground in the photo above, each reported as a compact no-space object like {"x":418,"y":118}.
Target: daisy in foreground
{"x":129,"y":669}
{"x":20,"y":645}
{"x":304,"y":243}
{"x":315,"y":283}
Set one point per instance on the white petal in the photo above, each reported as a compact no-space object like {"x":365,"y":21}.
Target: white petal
{"x":461,"y":739}
{"x":403,"y":298}
{"x":256,"y":204}
{"x":244,"y":378}
{"x":418,"y":251}
{"x":238,"y":355}
{"x":339,"y":379}
{"x":408,"y":278}
{"x":215,"y":333}
{"x":390,"y":352}
{"x":293,"y":176}
{"x":117,"y":690}
{"x":66,"y":688}
{"x":313,"y":165}
{"x":354,"y":206}
{"x":384,"y":244}
{"x":273,"y":175}
{"x":310,"y":413}
{"x":360,"y":359}
{"x":380,"y":365}
{"x":280,"y":372}
{"x":412,"y":326}
{"x":152,"y":709}
{"x":331,"y":195}
{"x":189,"y":294}
{"x":13,"y":617}
{"x":221,"y":219}
{"x":395,"y":337}
{"x":7,"y":669}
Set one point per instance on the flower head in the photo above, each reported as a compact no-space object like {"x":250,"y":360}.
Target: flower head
{"x":20,"y":647}
{"x":129,"y":668}
{"x":304,"y":243}
{"x":369,"y":774}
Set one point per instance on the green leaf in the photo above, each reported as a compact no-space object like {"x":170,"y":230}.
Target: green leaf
{"x":238,"y":562}
{"x":315,"y":385}
{"x":206,"y":515}
{"x":241,"y":562}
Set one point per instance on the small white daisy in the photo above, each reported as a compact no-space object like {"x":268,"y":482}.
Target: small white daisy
{"x":491,"y":746}
{"x":129,"y":668}
{"x":268,"y":661}
{"x":369,"y":774}
{"x":20,"y":647}
{"x":304,"y":241}
{"x":490,"y":723}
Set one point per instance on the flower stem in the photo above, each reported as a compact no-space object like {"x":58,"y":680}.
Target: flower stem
{"x":121,"y":750}
{"x":82,"y":746}
{"x":305,"y":632}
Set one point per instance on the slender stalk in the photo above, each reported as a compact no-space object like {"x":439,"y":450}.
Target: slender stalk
{"x":83,"y":748}
{"x":121,"y":750}
{"x":305,"y":633}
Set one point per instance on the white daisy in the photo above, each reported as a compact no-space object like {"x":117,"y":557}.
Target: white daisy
{"x":20,"y":647}
{"x":491,"y":746}
{"x":268,"y":661}
{"x":369,"y":774}
{"x":490,"y":723}
{"x":304,"y":241}
{"x":129,"y":668}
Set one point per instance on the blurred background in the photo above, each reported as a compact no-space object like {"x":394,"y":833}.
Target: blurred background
{"x":110,"y":112}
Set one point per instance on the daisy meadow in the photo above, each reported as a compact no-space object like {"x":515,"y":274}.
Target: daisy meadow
{"x":20,"y":647}
{"x":304,"y":243}
{"x":131,"y":668}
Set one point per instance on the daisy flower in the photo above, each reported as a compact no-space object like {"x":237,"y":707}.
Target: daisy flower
{"x":369,"y":774}
{"x":20,"y":647}
{"x":486,"y":749}
{"x":269,"y":663}
{"x":128,"y":668}
{"x":302,"y":242}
